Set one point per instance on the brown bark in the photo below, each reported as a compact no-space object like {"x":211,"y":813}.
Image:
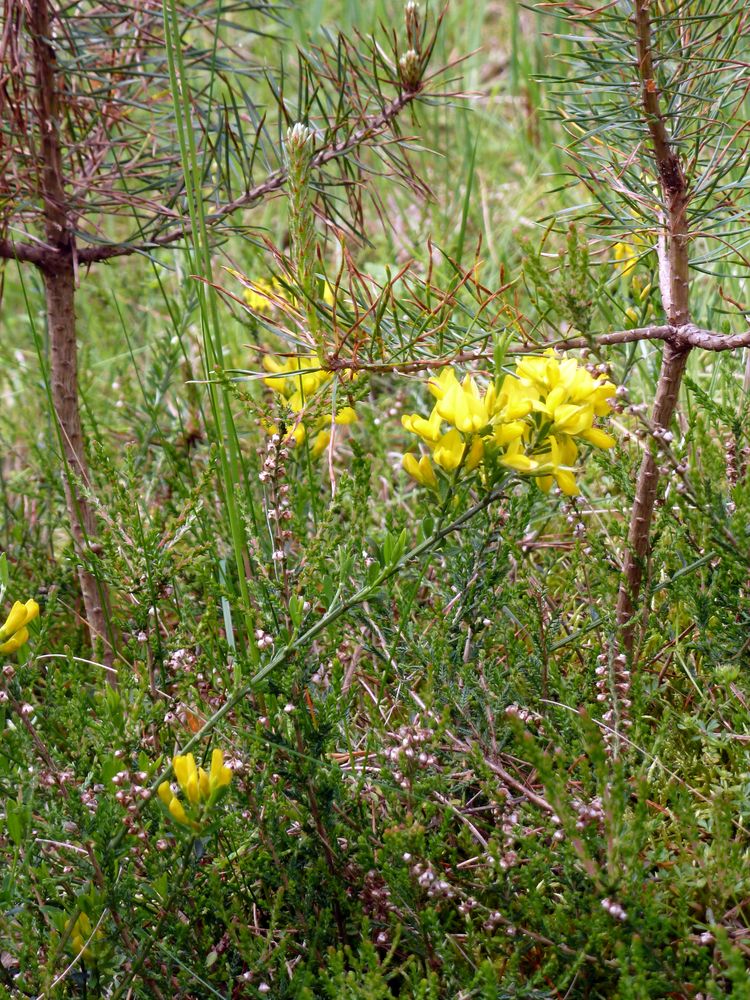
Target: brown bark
{"x":675,"y":290}
{"x":59,"y":285}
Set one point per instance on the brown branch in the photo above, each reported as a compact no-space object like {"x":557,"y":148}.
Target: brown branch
{"x":58,"y":272}
{"x":680,"y":337}
{"x":29,"y":253}
{"x":674,"y":270}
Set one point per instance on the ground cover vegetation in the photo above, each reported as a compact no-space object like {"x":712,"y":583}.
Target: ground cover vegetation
{"x":375,"y":500}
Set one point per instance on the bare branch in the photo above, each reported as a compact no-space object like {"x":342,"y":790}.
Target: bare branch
{"x":681,"y":337}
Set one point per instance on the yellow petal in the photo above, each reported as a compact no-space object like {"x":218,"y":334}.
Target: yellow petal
{"x":428,"y":430}
{"x":427,"y":473}
{"x":505,"y":433}
{"x":164,"y":791}
{"x":544,"y":483}
{"x":347,"y":415}
{"x":204,"y":784}
{"x":15,"y":642}
{"x":421,"y":470}
{"x":439,"y":385}
{"x":570,"y":419}
{"x":476,"y":454}
{"x":599,"y":438}
{"x":298,"y":434}
{"x":449,"y":451}
{"x":184,"y":769}
{"x":321,"y":442}
{"x":566,"y":481}
{"x":192,"y":789}
{"x":177,"y":811}
{"x":15,"y":620}
{"x":217,"y":764}
{"x":32,"y":611}
{"x":519,"y":462}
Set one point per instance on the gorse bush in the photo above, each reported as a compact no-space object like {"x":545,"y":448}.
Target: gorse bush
{"x":422,"y":578}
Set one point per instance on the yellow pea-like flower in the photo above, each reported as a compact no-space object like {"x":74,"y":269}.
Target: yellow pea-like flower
{"x":598,"y":437}
{"x":347,"y":415}
{"x":427,"y":429}
{"x":177,"y":811}
{"x":421,"y":470}
{"x":321,"y":442}
{"x":529,"y":422}
{"x":14,"y":633}
{"x":200,"y":788}
{"x":449,"y":451}
{"x":220,"y":775}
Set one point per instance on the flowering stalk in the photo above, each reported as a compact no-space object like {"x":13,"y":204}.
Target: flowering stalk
{"x":300,"y":142}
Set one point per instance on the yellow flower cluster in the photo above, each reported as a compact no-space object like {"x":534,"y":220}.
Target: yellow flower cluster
{"x":80,"y":934}
{"x":14,"y":633}
{"x":297,"y":380}
{"x":532,"y":424}
{"x":200,"y":788}
{"x":263,"y":295}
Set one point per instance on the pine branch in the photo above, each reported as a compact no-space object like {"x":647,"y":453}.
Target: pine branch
{"x":47,"y":256}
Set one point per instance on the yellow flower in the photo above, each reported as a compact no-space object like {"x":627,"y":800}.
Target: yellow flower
{"x":598,"y":437}
{"x":515,"y":400}
{"x":346,"y":415}
{"x":200,"y":788}
{"x":449,"y":450}
{"x":443,"y":383}
{"x":428,"y":430}
{"x":530,"y":423}
{"x":321,"y":442}
{"x":259,"y":295}
{"x":462,"y":405}
{"x":14,"y":633}
{"x":516,"y":458}
{"x":628,"y":254}
{"x":421,"y":470}
{"x":626,"y":259}
{"x":219,"y":775}
{"x":557,"y":465}
{"x":80,"y":935}
{"x":475,"y":454}
{"x":297,"y":389}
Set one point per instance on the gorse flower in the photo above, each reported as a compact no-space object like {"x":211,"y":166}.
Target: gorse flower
{"x":201,"y":789}
{"x":81,"y":941}
{"x":297,"y":381}
{"x":263,"y":296}
{"x":531,"y":425}
{"x":14,"y":633}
